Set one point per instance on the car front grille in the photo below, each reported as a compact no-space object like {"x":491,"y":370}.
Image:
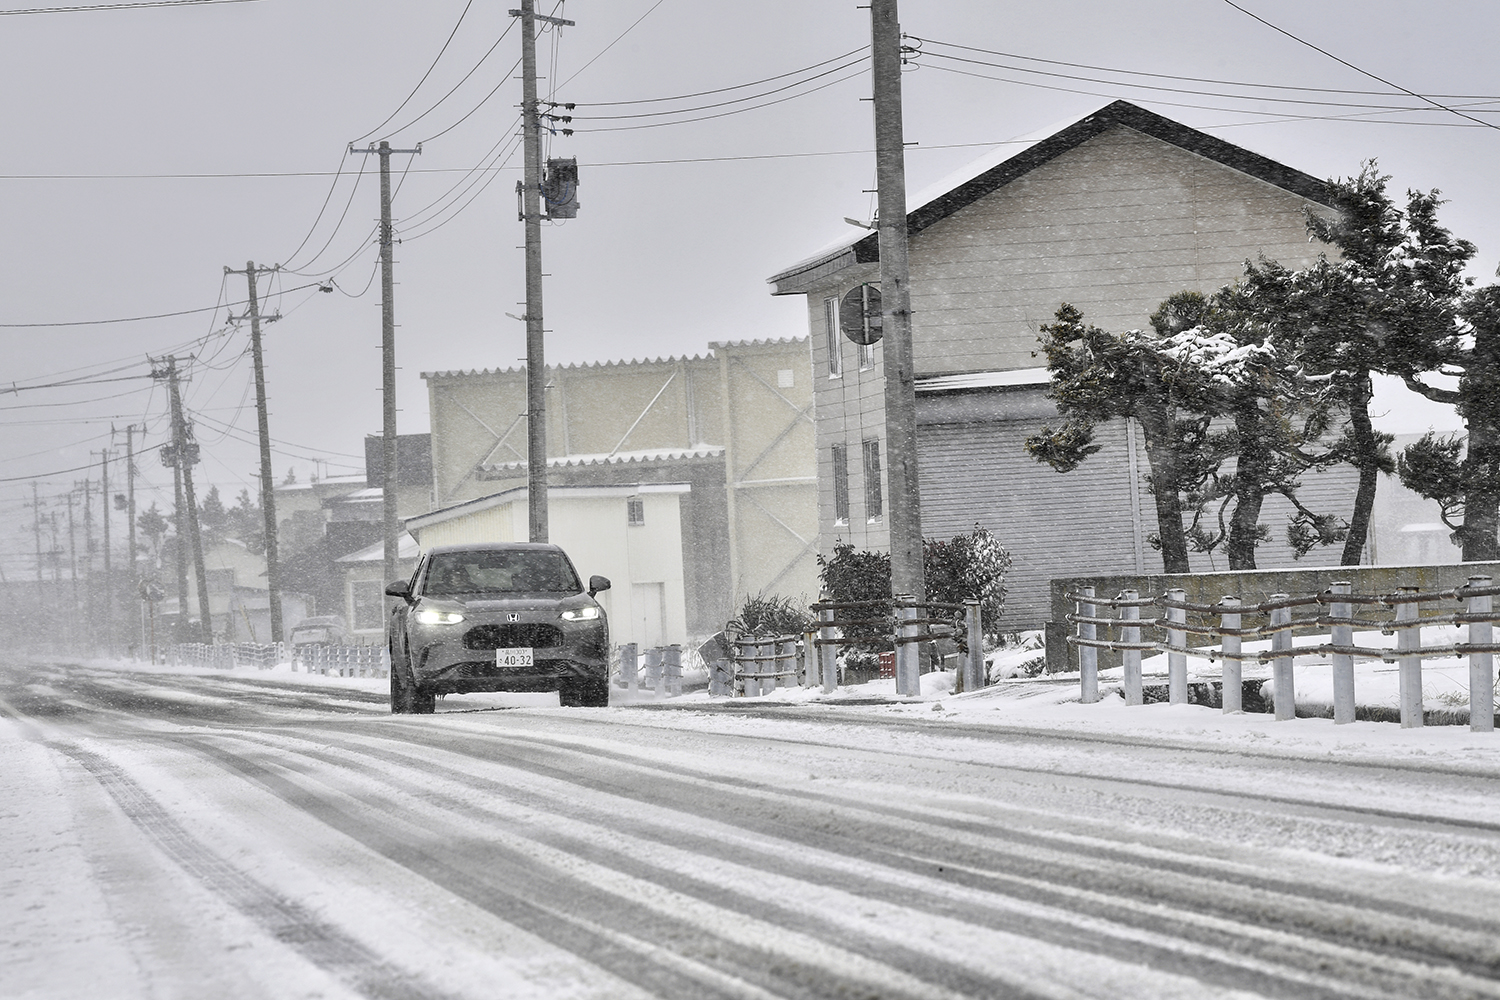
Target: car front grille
{"x":509,"y":636}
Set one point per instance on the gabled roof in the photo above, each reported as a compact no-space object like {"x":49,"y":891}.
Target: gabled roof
{"x":866,"y":249}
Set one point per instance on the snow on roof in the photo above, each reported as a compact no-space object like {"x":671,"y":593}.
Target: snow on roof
{"x":580,"y":365}
{"x":983,"y":380}
{"x":620,"y":457}
{"x":406,"y":548}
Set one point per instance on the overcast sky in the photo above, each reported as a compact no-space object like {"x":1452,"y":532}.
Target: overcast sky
{"x":147,"y":149}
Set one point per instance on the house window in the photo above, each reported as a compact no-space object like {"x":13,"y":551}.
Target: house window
{"x":635,"y":511}
{"x":874,"y":497}
{"x":831,"y":324}
{"x":368,"y":598}
{"x":840,"y":484}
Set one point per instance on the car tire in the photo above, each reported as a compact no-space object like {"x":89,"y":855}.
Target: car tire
{"x":591,"y":692}
{"x":403,"y":689}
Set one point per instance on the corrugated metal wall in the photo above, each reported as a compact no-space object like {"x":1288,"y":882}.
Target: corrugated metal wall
{"x":975,"y":470}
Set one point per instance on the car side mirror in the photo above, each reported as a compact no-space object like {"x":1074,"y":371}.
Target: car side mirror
{"x":598,"y":583}
{"x":401,"y":589}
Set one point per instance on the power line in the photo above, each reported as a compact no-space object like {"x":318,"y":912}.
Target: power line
{"x":721,"y":90}
{"x":724,"y":104}
{"x":1364,"y":117}
{"x":1184,"y":90}
{"x":1365,"y":72}
{"x":139,"y":4}
{"x":438,"y":103}
{"x":726,"y":114}
{"x":613,"y":44}
{"x":1173,"y":76}
{"x":425,"y":75}
{"x":135,"y":319}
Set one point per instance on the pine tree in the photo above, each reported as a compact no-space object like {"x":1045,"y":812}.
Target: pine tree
{"x":1099,"y":376}
{"x":1386,"y":305}
{"x":1462,"y":473}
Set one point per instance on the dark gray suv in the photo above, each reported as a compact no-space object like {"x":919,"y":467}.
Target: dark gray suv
{"x":502,"y":616}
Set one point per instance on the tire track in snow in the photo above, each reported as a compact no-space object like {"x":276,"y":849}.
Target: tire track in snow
{"x":285,"y":920}
{"x":1238,"y":969}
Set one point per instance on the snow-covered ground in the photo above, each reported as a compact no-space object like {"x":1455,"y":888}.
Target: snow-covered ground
{"x":246,"y":833}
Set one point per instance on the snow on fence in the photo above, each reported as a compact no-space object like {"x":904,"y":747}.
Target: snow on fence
{"x":342,"y":661}
{"x":1405,"y":622}
{"x":223,"y":655}
{"x":663,"y":668}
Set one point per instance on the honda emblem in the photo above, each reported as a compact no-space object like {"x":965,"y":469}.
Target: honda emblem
{"x":513,"y":617}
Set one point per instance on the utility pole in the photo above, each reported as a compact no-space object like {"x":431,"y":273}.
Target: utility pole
{"x":907,"y":576}
{"x":130,"y":497}
{"x":267,"y":481}
{"x":184,"y":453}
{"x":134,"y":576}
{"x":388,"y":360}
{"x":531,"y":209}
{"x":73,"y":571}
{"x":109,"y":579}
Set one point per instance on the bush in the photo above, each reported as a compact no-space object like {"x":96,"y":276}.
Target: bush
{"x":967,"y":566}
{"x":771,"y":615}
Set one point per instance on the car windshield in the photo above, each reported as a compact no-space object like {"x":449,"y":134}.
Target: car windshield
{"x":500,"y":572}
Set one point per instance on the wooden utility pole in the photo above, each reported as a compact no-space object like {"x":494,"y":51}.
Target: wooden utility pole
{"x":531,"y":211}
{"x":180,"y":547}
{"x":388,"y":478}
{"x":907,"y":576}
{"x":109,"y":579}
{"x":130,"y":497}
{"x":267,"y":481}
{"x":185,"y":454}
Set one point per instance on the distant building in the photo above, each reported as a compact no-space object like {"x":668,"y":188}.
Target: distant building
{"x":735,"y":426}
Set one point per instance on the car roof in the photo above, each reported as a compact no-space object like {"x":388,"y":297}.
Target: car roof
{"x":497,"y":547}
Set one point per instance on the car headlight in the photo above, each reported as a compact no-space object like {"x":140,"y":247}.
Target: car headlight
{"x":587,"y":614}
{"x":432,"y":616}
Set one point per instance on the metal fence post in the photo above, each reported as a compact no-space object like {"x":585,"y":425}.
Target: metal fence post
{"x":1409,"y":670}
{"x":974,"y":678}
{"x":1343,"y":663}
{"x":1232,"y":683}
{"x":1088,"y":656}
{"x":1131,"y":634}
{"x":672,"y":667}
{"x":1177,"y":689}
{"x":1481,"y":665}
{"x":786,"y":662}
{"x":1281,"y":665}
{"x":629,"y":667}
{"x":654,"y":678}
{"x":828,"y":653}
{"x":908,"y":662}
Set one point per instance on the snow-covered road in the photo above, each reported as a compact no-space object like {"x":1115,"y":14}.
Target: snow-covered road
{"x":191,"y":834}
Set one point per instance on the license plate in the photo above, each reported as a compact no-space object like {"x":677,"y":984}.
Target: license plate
{"x":518,"y":656}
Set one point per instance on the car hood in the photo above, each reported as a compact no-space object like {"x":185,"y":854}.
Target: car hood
{"x":511,"y":602}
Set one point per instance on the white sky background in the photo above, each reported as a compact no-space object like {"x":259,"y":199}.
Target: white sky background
{"x":664,"y":256}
